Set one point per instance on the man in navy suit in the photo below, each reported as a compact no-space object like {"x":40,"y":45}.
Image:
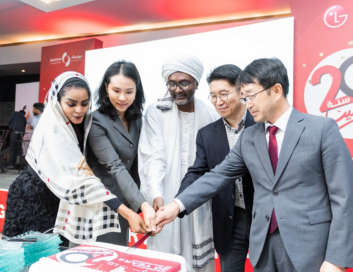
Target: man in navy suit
{"x":231,"y":207}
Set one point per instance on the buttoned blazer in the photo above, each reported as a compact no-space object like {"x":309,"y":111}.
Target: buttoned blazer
{"x":212,"y":147}
{"x":311,"y":192}
{"x":112,"y":156}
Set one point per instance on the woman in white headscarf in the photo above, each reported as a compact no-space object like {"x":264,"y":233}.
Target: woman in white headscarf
{"x":56,"y":161}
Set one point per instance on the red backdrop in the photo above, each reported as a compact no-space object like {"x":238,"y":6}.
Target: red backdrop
{"x":60,"y":58}
{"x":323,"y":74}
{"x":3,"y":197}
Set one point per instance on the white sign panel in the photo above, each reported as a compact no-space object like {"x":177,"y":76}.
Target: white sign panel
{"x":239,"y":46}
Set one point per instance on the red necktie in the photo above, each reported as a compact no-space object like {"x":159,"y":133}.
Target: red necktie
{"x":272,"y":150}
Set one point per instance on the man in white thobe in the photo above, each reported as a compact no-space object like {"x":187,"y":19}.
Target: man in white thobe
{"x":167,"y":148}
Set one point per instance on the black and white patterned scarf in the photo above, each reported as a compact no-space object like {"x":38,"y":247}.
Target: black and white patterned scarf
{"x":55,"y":155}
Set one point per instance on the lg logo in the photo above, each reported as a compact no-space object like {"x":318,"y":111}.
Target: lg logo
{"x":66,"y":59}
{"x":335,"y":16}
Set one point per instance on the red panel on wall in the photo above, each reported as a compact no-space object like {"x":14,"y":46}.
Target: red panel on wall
{"x":60,"y":58}
{"x":3,"y":197}
{"x":323,"y":58}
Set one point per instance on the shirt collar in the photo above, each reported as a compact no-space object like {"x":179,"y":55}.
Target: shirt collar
{"x":240,"y":125}
{"x":282,"y":122}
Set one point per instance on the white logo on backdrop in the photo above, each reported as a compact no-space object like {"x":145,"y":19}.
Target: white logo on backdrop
{"x":68,"y":59}
{"x":335,"y":16}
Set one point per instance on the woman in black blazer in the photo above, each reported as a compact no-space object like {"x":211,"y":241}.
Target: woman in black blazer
{"x":113,"y":142}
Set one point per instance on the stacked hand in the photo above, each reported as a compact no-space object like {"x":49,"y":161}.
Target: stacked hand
{"x":154,"y":218}
{"x":136,"y":223}
{"x":158,"y":203}
{"x":149,"y":216}
{"x":167,"y":214}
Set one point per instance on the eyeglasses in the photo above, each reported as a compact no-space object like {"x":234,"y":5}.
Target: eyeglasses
{"x":223,"y":97}
{"x":184,"y":85}
{"x":250,"y":98}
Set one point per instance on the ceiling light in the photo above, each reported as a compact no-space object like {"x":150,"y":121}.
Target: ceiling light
{"x":49,"y":1}
{"x":23,"y":71}
{"x":51,"y":5}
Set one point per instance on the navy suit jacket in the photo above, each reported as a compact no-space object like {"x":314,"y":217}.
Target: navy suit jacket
{"x":212,"y":148}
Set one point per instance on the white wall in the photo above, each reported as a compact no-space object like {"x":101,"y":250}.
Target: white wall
{"x":26,"y":95}
{"x":238,"y":45}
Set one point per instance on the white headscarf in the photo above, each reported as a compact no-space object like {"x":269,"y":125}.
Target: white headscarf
{"x":54,"y":154}
{"x":185,"y":63}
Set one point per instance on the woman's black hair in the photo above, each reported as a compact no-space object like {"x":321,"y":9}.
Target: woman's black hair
{"x":73,"y":83}
{"x":104,"y":105}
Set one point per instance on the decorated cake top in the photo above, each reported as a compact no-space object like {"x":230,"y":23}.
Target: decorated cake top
{"x":106,"y":257}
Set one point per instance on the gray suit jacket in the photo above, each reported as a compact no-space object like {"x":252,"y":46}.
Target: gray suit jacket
{"x":112,"y":156}
{"x":312,"y":191}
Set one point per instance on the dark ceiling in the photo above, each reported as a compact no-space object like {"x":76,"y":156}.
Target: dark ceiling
{"x":32,"y":68}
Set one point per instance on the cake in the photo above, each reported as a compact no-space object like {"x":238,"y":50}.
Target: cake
{"x":102,"y":257}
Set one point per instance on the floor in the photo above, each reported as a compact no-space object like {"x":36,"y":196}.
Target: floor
{"x":7,"y":178}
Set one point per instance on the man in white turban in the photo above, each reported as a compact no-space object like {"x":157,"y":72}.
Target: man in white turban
{"x":167,"y":148}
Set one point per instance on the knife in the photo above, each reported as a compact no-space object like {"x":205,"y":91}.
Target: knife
{"x":137,"y":244}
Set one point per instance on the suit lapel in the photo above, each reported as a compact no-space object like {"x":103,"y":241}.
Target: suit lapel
{"x":262,"y":150}
{"x":291,"y":137}
{"x":220,"y":138}
{"x":119,"y":126}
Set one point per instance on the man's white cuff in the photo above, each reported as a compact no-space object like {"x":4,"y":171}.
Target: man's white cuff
{"x":181,"y":205}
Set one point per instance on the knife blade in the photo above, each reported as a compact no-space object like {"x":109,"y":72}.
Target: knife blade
{"x":137,"y":244}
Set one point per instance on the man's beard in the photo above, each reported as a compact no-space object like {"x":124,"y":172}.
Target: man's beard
{"x":185,"y":102}
{"x":35,"y":113}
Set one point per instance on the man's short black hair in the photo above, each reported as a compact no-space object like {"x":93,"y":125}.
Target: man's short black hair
{"x":267,"y":72}
{"x":229,"y":72}
{"x":23,"y":112}
{"x":39,"y":106}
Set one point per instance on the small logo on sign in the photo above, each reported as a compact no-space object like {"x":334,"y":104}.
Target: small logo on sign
{"x":335,"y":16}
{"x":66,"y":59}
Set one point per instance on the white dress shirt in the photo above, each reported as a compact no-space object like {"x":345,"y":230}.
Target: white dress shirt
{"x":35,"y":121}
{"x":281,"y":123}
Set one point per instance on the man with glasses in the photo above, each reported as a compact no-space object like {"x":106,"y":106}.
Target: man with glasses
{"x":231,"y":207}
{"x":302,"y":172}
{"x":166,"y":149}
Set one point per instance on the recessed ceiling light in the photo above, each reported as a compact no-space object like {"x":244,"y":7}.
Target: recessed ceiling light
{"x":49,"y":1}
{"x":23,"y":71}
{"x":51,"y":5}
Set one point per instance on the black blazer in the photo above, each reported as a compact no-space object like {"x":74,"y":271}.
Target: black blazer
{"x":212,"y":148}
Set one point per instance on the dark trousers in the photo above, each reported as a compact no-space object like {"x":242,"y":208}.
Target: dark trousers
{"x":234,"y":258}
{"x":15,"y":146}
{"x":274,"y":257}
